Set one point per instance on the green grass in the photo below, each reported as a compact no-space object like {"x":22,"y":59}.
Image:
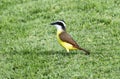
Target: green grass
{"x":28,"y":45}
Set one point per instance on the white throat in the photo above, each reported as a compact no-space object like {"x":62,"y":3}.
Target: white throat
{"x":59,"y":28}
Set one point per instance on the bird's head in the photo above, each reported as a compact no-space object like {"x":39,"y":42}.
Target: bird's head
{"x":60,"y":25}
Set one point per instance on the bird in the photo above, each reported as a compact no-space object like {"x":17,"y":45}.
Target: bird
{"x":65,"y":39}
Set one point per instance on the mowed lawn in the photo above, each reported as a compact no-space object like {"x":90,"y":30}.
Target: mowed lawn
{"x":28,"y":45}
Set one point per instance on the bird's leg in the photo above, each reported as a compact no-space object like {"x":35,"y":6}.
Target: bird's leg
{"x":67,"y":50}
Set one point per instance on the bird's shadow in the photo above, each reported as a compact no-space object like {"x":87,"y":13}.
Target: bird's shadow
{"x":51,"y":52}
{"x":42,"y":52}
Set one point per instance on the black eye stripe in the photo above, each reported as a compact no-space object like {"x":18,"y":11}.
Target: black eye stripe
{"x":61,"y":24}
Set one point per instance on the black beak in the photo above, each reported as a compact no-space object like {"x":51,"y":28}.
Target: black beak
{"x":53,"y":23}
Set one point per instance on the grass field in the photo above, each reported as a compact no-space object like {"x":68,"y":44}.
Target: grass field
{"x":28,"y":45}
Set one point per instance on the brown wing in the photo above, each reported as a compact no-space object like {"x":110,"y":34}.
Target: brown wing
{"x":67,"y":38}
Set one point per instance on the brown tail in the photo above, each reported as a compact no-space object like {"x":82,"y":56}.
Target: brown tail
{"x":86,"y":52}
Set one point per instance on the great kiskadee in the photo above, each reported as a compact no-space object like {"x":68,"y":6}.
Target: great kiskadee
{"x":65,"y":39}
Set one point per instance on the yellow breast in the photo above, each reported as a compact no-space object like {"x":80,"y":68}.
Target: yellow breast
{"x":64,"y":44}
